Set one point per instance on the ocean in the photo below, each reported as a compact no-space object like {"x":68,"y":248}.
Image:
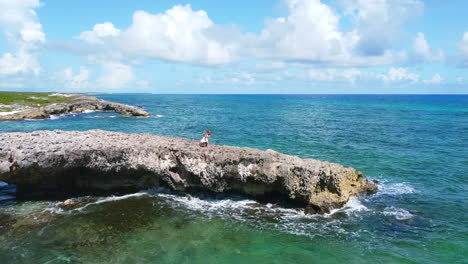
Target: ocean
{"x":415,"y":146}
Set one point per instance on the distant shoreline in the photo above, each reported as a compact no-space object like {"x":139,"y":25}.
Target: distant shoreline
{"x":155,"y":93}
{"x":22,"y":105}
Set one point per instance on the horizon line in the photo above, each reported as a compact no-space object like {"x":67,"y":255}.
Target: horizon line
{"x":154,"y":93}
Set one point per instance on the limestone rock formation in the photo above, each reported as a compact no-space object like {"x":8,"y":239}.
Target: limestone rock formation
{"x":81,"y":104}
{"x":48,"y":163}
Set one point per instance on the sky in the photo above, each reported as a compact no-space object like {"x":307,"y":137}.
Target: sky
{"x":235,"y":47}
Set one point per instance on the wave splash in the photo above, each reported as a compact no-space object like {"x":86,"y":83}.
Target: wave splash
{"x":288,"y":220}
{"x":398,"y":213}
{"x":398,"y":188}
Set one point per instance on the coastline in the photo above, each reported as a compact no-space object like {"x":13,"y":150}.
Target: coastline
{"x":51,"y":163}
{"x":45,"y":106}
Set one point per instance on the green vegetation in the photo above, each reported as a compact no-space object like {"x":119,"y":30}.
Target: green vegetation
{"x":33,"y":99}
{"x":6,"y":109}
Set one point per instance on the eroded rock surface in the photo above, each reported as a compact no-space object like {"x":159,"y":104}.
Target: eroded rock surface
{"x":46,"y":163}
{"x":79,"y":105}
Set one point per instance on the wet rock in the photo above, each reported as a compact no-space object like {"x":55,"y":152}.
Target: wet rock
{"x":72,"y":163}
{"x":6,"y":220}
{"x":74,"y":203}
{"x":18,"y":225}
{"x":69,"y":204}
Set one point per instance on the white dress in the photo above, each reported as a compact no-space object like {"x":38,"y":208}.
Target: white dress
{"x":204,"y":139}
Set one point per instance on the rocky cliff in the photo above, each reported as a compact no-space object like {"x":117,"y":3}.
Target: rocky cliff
{"x":48,"y":163}
{"x":77,"y":104}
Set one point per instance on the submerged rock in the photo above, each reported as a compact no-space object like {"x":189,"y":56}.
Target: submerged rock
{"x":74,"y":203}
{"x":68,"y":204}
{"x":53,"y":163}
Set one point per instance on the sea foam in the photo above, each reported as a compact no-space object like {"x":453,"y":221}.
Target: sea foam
{"x":288,"y":220}
{"x":352,"y":206}
{"x":398,"y":213}
{"x":395,"y":188}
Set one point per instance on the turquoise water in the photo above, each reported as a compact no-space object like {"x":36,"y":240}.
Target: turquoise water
{"x":416,"y":146}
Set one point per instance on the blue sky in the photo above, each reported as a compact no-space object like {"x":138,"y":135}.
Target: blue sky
{"x":207,"y":46}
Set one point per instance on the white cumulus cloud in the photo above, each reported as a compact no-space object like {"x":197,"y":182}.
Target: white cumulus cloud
{"x":180,"y":34}
{"x":310,"y":32}
{"x":117,"y":75}
{"x":379,"y":22}
{"x":21,"y":27}
{"x":99,"y":33}
{"x":423,"y":51}
{"x":75,"y":81}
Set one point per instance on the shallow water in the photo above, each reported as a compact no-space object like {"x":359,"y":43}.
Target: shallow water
{"x":416,"y":146}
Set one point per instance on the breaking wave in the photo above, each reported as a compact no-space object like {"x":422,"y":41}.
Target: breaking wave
{"x":399,"y":188}
{"x":398,"y":213}
{"x":294,"y":221}
{"x":288,"y":220}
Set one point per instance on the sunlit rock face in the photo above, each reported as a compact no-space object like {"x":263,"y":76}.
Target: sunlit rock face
{"x":61,"y":163}
{"x":78,"y":104}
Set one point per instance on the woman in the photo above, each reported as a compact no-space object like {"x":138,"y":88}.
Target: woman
{"x":204,"y":140}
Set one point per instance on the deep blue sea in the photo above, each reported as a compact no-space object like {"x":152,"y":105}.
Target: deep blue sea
{"x":416,"y":146}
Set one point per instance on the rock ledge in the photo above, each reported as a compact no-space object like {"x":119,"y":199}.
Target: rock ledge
{"x":48,"y":163}
{"x":79,"y":105}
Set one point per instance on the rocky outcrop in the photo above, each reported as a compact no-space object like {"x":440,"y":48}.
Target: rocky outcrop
{"x":81,"y":104}
{"x":46,"y":163}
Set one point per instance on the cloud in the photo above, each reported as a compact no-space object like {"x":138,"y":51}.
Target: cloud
{"x":314,"y":75}
{"x":309,"y":34}
{"x":117,"y":75}
{"x":378,"y":22}
{"x":22,"y":30}
{"x":353,"y":74}
{"x":77,"y":81}
{"x":270,"y":65}
{"x":180,"y":35}
{"x":436,"y":79}
{"x":398,"y":74}
{"x":350,"y":75}
{"x":322,"y":75}
{"x":463,"y":46}
{"x":20,"y":62}
{"x":99,"y":33}
{"x":423,"y":51}
{"x":236,"y":78}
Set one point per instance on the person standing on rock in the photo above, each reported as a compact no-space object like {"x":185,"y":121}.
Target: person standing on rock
{"x":204,"y":140}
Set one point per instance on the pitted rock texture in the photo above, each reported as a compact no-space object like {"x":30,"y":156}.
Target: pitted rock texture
{"x":45,"y":163}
